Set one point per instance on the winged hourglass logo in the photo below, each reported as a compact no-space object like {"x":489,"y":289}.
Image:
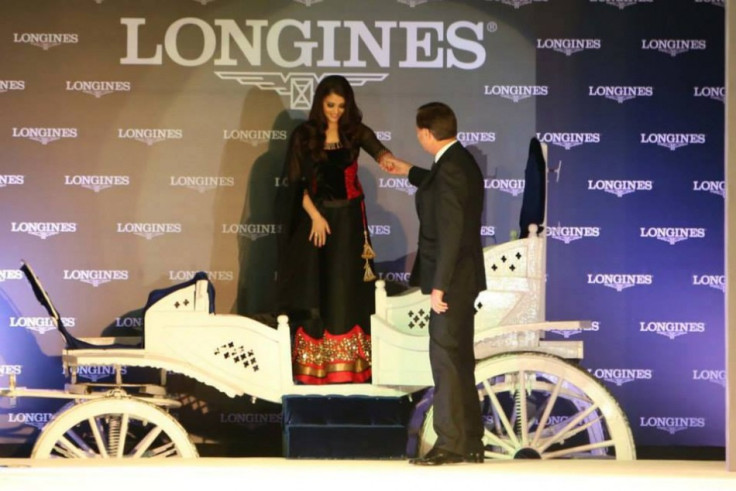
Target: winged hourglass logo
{"x":298,"y":86}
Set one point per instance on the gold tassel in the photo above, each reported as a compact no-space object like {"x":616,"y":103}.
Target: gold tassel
{"x":368,"y":252}
{"x":368,"y":272}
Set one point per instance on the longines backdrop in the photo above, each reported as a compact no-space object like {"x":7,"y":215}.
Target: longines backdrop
{"x":142,"y":141}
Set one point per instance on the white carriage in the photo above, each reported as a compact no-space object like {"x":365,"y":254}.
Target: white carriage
{"x":536,"y":402}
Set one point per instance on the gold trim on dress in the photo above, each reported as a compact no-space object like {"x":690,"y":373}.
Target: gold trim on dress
{"x":346,"y":354}
{"x":333,"y":146}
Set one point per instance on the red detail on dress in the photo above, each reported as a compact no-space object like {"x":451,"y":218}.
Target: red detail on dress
{"x":334,"y":359}
{"x":353,"y":189}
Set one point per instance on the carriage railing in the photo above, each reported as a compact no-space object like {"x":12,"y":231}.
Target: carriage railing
{"x":510,"y":315}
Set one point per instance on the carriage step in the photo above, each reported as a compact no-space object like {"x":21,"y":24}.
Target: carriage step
{"x":345,"y":427}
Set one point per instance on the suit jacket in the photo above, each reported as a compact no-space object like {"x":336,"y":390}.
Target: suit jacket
{"x":449,"y":202}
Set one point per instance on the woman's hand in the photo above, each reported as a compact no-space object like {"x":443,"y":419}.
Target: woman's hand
{"x":394,"y":165}
{"x":320,"y":227}
{"x":386,"y":162}
{"x":320,"y":230}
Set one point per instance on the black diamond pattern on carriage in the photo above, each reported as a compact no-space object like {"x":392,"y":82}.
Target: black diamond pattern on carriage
{"x":240,"y":355}
{"x":417,"y":319}
{"x":185,"y":303}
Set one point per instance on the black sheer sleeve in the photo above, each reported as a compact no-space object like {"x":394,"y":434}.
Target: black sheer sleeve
{"x":295,"y":178}
{"x":370,"y":143}
{"x":289,"y":213}
{"x":296,"y":166}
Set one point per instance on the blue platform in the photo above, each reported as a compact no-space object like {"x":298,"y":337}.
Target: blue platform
{"x":345,"y":427}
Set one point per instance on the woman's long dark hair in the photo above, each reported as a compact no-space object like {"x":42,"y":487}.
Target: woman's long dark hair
{"x":349,"y":121}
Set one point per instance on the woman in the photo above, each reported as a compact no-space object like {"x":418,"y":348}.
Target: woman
{"x":325,"y":280}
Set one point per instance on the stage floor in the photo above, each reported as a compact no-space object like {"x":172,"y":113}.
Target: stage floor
{"x":243,"y":473}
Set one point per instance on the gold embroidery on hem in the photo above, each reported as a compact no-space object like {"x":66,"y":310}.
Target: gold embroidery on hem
{"x":347,"y":352}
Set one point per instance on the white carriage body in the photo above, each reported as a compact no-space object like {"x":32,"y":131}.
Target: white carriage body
{"x":242,"y":356}
{"x":238,"y":355}
{"x":509,"y":317}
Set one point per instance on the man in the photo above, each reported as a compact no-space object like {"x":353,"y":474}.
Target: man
{"x":449,"y":267}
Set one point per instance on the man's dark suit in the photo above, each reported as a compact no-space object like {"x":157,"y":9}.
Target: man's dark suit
{"x":449,"y":202}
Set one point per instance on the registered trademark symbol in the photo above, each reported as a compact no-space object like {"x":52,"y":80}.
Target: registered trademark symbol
{"x":492,"y":26}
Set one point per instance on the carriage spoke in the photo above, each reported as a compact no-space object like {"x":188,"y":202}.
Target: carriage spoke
{"x":500,"y":456}
{"x":566,"y":431}
{"x":81,"y":444}
{"x":146,"y":442}
{"x":496,"y":421}
{"x":164,"y":451}
{"x":95,"y":426}
{"x":547,"y":411}
{"x":582,"y":427}
{"x":492,"y":439}
{"x":501,"y":413}
{"x":578,"y":449}
{"x":70,"y":449}
{"x":61,"y":452}
{"x":123,"y":435}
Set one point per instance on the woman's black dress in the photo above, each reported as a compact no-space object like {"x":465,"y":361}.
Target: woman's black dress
{"x":324,"y":290}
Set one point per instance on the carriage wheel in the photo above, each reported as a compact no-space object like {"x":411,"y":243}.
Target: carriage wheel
{"x":540,"y":406}
{"x":113,"y":428}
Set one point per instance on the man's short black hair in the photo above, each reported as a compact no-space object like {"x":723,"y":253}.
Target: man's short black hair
{"x":439,"y":119}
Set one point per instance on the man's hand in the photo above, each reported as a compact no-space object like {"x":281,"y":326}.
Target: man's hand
{"x":438,"y":304}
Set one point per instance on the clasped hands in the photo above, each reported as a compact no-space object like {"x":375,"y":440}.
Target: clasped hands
{"x":394,"y":165}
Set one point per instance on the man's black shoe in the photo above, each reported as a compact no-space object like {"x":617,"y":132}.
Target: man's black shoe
{"x":474,"y":457}
{"x":438,"y":456}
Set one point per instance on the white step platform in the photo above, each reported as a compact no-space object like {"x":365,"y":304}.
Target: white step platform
{"x":278,"y":473}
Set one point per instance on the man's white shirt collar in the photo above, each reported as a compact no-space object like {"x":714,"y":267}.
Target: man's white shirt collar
{"x":439,"y":154}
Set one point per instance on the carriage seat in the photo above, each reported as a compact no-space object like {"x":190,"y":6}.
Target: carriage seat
{"x":72,"y":342}
{"x":196,"y":294}
{"x":514,"y":294}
